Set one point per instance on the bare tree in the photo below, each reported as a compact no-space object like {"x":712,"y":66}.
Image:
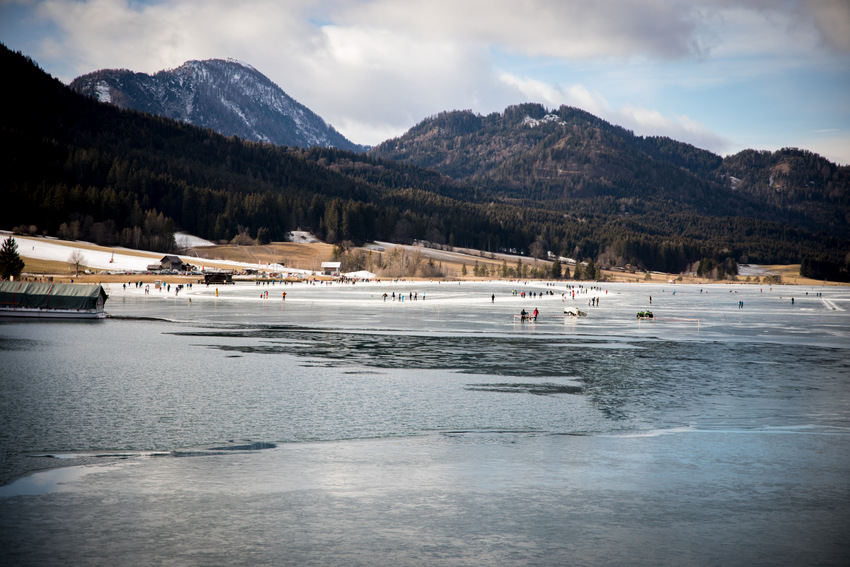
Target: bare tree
{"x":183,"y":244}
{"x":76,"y":258}
{"x":538,"y":248}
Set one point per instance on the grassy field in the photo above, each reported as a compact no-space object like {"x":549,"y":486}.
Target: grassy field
{"x":301,"y":256}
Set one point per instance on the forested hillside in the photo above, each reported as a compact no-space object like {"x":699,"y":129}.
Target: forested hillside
{"x":567,"y":154}
{"x":78,"y":168}
{"x":799,"y":183}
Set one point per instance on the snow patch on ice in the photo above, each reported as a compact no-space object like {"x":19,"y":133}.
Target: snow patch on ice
{"x":361,"y":275}
{"x":745,"y":270}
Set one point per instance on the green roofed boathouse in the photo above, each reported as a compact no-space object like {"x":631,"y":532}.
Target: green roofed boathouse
{"x":52,"y":300}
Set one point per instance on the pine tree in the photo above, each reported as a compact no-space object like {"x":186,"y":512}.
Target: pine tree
{"x":556,"y":269}
{"x":11,"y":264}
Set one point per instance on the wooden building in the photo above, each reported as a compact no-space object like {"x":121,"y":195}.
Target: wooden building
{"x":218,"y":277}
{"x":171,"y":262}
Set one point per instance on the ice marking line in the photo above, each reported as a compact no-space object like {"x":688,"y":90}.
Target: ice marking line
{"x":830,"y":305}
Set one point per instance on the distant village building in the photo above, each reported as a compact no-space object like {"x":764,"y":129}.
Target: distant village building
{"x":170,"y":262}
{"x":331,"y":268}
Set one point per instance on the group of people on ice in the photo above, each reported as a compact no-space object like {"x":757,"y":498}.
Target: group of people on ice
{"x":525,"y":316}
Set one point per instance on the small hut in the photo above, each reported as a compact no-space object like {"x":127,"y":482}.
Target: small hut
{"x":331,"y":268}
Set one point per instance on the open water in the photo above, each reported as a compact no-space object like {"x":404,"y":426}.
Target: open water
{"x":337,"y":428}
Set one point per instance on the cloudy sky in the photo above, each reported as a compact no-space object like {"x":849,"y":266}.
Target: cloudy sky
{"x":724,"y":75}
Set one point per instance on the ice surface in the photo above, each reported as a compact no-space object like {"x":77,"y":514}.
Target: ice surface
{"x":437,"y":430}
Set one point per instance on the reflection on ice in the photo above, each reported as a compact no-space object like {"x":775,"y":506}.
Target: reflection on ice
{"x":43,"y":482}
{"x":542,"y":389}
{"x":485,"y":497}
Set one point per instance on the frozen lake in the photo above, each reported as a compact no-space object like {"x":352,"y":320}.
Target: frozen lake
{"x":337,"y":427}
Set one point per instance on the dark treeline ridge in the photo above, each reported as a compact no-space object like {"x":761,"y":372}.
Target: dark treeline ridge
{"x":560,"y":156}
{"x":77,"y":168}
{"x":566,"y":159}
{"x":823,"y":268}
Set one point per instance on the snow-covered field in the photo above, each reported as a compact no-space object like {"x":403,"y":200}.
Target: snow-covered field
{"x":100,"y":258}
{"x":118,"y":259}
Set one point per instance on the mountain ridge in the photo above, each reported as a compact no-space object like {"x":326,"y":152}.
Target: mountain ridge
{"x":227,"y":96}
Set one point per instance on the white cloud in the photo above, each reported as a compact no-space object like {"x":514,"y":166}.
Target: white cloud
{"x":379,"y":77}
{"x":150,"y":37}
{"x":832,"y":19}
{"x":830,"y":144}
{"x":373,"y":132}
{"x":554,"y":96}
{"x":648,"y":122}
{"x":642,"y":121}
{"x":363,"y":80}
{"x":577,"y":29}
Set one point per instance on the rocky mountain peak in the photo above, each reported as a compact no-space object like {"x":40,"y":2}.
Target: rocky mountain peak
{"x":227,"y":96}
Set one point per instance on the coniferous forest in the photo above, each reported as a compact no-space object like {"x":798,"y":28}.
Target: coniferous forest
{"x":79,"y":169}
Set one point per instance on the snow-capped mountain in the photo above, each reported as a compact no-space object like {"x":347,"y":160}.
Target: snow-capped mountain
{"x":227,"y":96}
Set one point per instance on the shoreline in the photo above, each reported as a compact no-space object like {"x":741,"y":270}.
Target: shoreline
{"x":670,"y":279}
{"x":47,"y":259}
